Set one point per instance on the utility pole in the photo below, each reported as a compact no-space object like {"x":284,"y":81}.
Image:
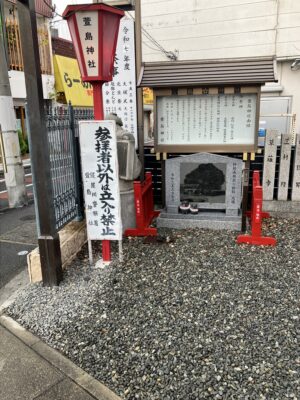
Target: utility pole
{"x":48,"y":240}
{"x":14,"y":173}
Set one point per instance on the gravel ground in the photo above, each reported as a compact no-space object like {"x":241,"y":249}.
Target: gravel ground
{"x":196,"y":317}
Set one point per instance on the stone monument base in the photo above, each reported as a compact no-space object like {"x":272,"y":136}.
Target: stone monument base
{"x":282,"y":208}
{"x":208,"y":220}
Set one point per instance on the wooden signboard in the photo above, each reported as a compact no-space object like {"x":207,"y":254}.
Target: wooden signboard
{"x":206,"y":120}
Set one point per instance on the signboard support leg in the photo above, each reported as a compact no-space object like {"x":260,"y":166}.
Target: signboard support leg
{"x":245,"y":192}
{"x":121,"y":258}
{"x":90,"y":247}
{"x":99,"y":114}
{"x":163,"y":188}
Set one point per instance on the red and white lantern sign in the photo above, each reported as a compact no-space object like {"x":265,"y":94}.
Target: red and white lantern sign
{"x":94,"y":31}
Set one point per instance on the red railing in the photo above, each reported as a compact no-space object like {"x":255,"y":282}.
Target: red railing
{"x":144,"y":208}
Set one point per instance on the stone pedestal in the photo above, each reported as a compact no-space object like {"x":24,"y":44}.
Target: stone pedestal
{"x":210,"y":182}
{"x":283,"y":209}
{"x":209,"y":220}
{"x":128,"y":209}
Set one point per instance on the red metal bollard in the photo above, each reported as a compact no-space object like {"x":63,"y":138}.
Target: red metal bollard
{"x":257,"y":215}
{"x":144,"y":208}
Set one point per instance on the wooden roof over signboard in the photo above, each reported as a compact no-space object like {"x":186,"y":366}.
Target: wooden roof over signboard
{"x":238,"y":71}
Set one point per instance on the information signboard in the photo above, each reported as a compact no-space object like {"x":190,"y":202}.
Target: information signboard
{"x":206,"y":122}
{"x":100,"y":179}
{"x":119,"y":95}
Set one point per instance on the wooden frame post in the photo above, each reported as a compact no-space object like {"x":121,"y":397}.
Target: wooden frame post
{"x":48,"y":240}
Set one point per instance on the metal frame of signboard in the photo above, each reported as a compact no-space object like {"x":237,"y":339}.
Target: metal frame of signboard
{"x":217,"y":148}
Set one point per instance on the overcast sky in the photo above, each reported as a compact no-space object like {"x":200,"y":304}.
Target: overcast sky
{"x":57,"y":22}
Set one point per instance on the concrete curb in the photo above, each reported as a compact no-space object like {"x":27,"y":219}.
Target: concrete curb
{"x":60,"y":362}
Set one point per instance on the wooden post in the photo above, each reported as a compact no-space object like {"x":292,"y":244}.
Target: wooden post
{"x":284,"y":167}
{"x":269,"y":164}
{"x":296,"y":172}
{"x":48,"y":240}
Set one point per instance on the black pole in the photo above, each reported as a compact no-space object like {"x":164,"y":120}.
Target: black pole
{"x":49,"y":245}
{"x":139,"y":90}
{"x":76,"y":165}
{"x":3,"y":28}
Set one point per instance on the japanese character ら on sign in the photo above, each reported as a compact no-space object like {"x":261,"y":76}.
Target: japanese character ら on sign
{"x":100,"y":179}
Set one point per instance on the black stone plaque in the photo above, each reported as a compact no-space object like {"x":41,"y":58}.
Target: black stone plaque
{"x":203,"y":183}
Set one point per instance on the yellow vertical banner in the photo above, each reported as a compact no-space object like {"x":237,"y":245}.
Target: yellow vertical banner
{"x":148,"y":96}
{"x":68,"y":80}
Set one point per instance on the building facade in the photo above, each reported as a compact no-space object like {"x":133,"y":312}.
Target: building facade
{"x":10,"y":25}
{"x":217,"y":29}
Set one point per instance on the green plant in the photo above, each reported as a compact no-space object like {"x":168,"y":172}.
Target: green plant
{"x":27,"y":144}
{"x":23,"y":144}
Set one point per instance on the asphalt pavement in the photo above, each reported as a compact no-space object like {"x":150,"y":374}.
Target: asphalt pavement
{"x":17,"y":235}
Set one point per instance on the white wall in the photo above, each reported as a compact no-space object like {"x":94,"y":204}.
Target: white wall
{"x":288,"y":86}
{"x":290,"y":81}
{"x":18,"y":89}
{"x":202,"y":29}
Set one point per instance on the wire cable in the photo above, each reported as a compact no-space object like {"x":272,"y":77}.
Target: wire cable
{"x":52,"y":8}
{"x":169,"y":54}
{"x":152,"y":48}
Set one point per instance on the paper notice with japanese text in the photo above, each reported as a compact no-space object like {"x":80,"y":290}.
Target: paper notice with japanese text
{"x":100,"y":172}
{"x":206,"y":119}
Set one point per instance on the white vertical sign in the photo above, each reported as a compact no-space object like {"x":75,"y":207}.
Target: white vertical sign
{"x":269,"y":164}
{"x":87,"y":22}
{"x":284,"y":166}
{"x":100,"y":172}
{"x":119,"y":95}
{"x":296,"y":172}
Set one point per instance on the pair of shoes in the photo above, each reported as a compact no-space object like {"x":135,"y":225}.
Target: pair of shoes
{"x":194,"y":209}
{"x":187,"y":208}
{"x":184,"y":207}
